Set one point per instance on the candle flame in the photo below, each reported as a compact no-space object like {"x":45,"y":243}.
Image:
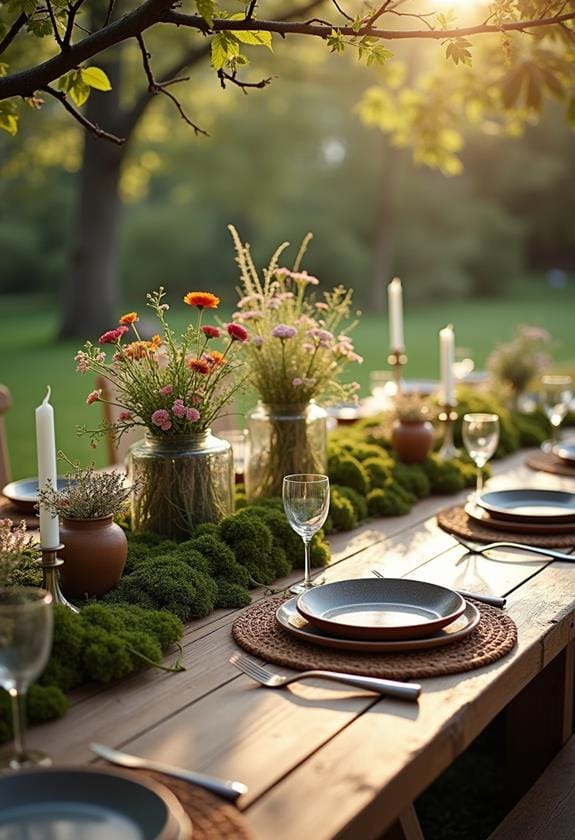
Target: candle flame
{"x":46,"y":399}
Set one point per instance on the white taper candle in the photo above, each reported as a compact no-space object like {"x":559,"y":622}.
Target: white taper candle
{"x":446,"y":351}
{"x":46,"y":453}
{"x":395,"y":305}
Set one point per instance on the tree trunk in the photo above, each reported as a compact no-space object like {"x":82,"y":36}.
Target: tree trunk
{"x":91,"y":290}
{"x":384,"y":249}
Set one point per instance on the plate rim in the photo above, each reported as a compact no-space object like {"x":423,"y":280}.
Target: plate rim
{"x":379,"y":646}
{"x":506,"y":513}
{"x":404,"y":631}
{"x":559,"y":447}
{"x":177,"y":826}
{"x":550,"y":529}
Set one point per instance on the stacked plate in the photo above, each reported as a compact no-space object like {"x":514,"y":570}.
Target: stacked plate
{"x":377,"y":615}
{"x":566,"y":451}
{"x":528,"y":511}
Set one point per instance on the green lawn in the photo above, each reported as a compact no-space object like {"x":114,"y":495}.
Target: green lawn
{"x":30,"y":359}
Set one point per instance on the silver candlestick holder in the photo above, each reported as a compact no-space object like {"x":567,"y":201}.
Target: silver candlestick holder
{"x":50,"y":564}
{"x":397,"y":361}
{"x":448,"y":416}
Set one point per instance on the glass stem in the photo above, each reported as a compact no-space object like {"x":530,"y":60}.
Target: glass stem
{"x":479,"y":486}
{"x":307,"y":566}
{"x":18,"y":720}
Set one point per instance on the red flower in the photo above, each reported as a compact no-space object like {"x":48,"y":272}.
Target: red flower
{"x":203,"y":300}
{"x":211,"y":332}
{"x":199,"y":365}
{"x":237,"y":332}
{"x":112,"y":336}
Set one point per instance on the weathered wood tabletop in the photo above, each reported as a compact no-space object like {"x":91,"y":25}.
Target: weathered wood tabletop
{"x":322,"y":760}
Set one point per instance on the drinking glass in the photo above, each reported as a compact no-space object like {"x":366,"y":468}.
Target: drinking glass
{"x":26,"y":620}
{"x":556,"y":395}
{"x":480,"y":434}
{"x":306,"y":505}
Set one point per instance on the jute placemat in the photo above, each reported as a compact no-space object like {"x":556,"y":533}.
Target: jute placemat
{"x":454,"y":520}
{"x":548,"y":462}
{"x":257,"y":631}
{"x":212,"y":818}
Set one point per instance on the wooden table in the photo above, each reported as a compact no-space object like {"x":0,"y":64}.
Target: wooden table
{"x":323,"y":761}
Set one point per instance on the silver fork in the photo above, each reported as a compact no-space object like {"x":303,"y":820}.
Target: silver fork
{"x":392,"y":688}
{"x":546,"y":552}
{"x":492,"y":600}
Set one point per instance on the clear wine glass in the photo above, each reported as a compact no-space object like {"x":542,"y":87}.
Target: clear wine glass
{"x":306,"y":505}
{"x":26,"y":621}
{"x":556,"y":394}
{"x":480,"y":434}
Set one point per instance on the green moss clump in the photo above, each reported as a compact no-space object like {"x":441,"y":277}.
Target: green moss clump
{"x":362,"y":451}
{"x":412,"y":478}
{"x":444,"y":476}
{"x":349,"y":472}
{"x":359,"y":502}
{"x":341,"y":511}
{"x":231,"y":595}
{"x":471,"y":400}
{"x":392,"y":501}
{"x":221,"y":559}
{"x":252,"y":543}
{"x":379,"y":471}
{"x":533,"y":428}
{"x":286,"y":544}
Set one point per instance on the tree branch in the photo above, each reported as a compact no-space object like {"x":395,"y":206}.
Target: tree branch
{"x":86,"y":123}
{"x":231,"y":77}
{"x":13,"y":31}
{"x":72,"y":12}
{"x":54,"y":24}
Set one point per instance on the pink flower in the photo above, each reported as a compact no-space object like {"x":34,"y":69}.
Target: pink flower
{"x":210,"y":332}
{"x":354,"y":357}
{"x":83,"y":363}
{"x":125,"y":416}
{"x":297,"y":382}
{"x":282,"y":272}
{"x":321,"y":305}
{"x":93,"y":396}
{"x":274,"y":303}
{"x":112,"y":336}
{"x":237,"y":332}
{"x":179,"y":409}
{"x":166,"y":390}
{"x":251,"y":315}
{"x":164,"y":307}
{"x":161,"y":418}
{"x":192,"y":414}
{"x":258,"y":340}
{"x":284,"y":331}
{"x":304,"y":277}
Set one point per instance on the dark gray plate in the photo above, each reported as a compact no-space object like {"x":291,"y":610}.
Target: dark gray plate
{"x":24,"y":493}
{"x":529,"y":505}
{"x":289,"y":618}
{"x":518,"y":526}
{"x":565,"y":451}
{"x":88,"y":803}
{"x":372,"y":608}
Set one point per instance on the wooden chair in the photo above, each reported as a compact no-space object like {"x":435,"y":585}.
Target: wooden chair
{"x":547,"y":811}
{"x":5,"y":472}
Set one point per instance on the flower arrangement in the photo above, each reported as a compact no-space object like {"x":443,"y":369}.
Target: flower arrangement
{"x":412,"y":408}
{"x":87,"y":494}
{"x":299,"y":344}
{"x":520,"y":360}
{"x":172,"y":386}
{"x":298,"y":349}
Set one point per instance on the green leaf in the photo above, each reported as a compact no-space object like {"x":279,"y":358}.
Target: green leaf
{"x":28,"y":7}
{"x":335,"y":41}
{"x":225,"y":47}
{"x":206,"y":8}
{"x":357,"y":23}
{"x":256,"y":39}
{"x":79,"y":92}
{"x":94,"y":77}
{"x":9,"y":117}
{"x":511,"y":86}
{"x":40,"y":27}
{"x":66,"y":81}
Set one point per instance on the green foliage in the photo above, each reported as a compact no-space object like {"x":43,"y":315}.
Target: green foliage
{"x":392,"y":501}
{"x":342,"y":515}
{"x":348,"y":471}
{"x":77,"y":84}
{"x":379,"y":471}
{"x":358,"y":502}
{"x":412,"y":478}
{"x":533,"y":428}
{"x":251,"y":541}
{"x":444,"y":476}
{"x":472,"y":400}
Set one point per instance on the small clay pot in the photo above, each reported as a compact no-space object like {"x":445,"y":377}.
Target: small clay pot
{"x":412,"y":440}
{"x":94,"y":556}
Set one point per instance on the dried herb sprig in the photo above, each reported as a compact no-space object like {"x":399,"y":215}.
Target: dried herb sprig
{"x":18,"y":556}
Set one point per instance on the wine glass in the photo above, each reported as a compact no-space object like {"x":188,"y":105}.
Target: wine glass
{"x":556,"y":395}
{"x":306,"y":505}
{"x":480,"y":434}
{"x":26,"y":621}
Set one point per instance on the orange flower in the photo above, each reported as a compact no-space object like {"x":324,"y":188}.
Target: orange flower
{"x":155,"y":342}
{"x":217,"y":357}
{"x":129,"y":318}
{"x":137,"y":349}
{"x":203,"y":300}
{"x":199,"y":365}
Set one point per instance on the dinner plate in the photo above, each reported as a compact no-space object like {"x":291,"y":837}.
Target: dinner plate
{"x":290,"y":619}
{"x":529,"y":505}
{"x":375,"y":608}
{"x":517,"y":527}
{"x":565,"y":451}
{"x":94,"y":804}
{"x":24,"y":493}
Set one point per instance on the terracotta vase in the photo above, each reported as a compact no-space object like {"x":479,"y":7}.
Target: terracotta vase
{"x":94,"y":556}
{"x":412,"y":441}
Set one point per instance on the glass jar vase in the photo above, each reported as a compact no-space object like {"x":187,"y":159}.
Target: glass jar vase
{"x":181,"y":482}
{"x":283,"y":440}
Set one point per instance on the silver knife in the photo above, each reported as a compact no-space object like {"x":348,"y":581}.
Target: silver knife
{"x":492,"y":600}
{"x":221,"y":787}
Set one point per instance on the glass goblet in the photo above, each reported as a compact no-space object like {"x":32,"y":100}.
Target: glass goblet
{"x":26,"y":622}
{"x":556,"y":394}
{"x":306,"y":505}
{"x":480,"y":433}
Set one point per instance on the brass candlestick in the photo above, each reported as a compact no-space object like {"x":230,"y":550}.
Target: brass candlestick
{"x":49,"y":564}
{"x":397,"y":360}
{"x":448,"y":416}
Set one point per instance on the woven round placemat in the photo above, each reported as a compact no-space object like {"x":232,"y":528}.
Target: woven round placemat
{"x":548,"y":462}
{"x":455,"y":521}
{"x":212,"y":818}
{"x":257,"y":631}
